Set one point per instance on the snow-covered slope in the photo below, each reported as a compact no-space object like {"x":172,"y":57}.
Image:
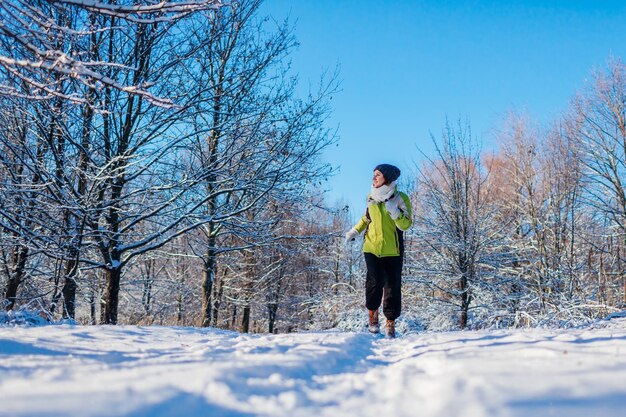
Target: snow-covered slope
{"x":69,"y":370}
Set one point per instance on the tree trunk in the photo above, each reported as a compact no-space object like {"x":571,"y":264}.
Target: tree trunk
{"x":272,"y":309}
{"x":208,"y":272}
{"x":274,"y":298}
{"x":56,"y":295}
{"x":69,"y":298}
{"x":217,"y":298}
{"x":11,"y":292}
{"x":180,"y":306}
{"x":233,"y":319}
{"x":113,"y":276}
{"x":245,"y":320}
{"x":93,"y":296}
{"x":250,"y":262}
{"x":464,"y":291}
{"x":146,"y":297}
{"x":468,"y":276}
{"x":15,"y":279}
{"x":69,"y":286}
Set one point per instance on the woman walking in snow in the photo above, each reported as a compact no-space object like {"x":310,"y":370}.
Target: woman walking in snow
{"x":387,"y":216}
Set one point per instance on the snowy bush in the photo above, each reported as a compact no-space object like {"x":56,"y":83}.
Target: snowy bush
{"x":22,"y":318}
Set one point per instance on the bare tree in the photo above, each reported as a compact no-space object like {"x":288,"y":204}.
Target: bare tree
{"x":107,"y":167}
{"x":255,"y":140}
{"x":598,"y":126}
{"x":455,"y":225}
{"x":21,"y":186}
{"x":122,"y":171}
{"x":33,"y":60}
{"x":540,"y":191}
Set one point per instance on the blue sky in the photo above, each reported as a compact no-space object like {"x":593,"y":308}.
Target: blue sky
{"x":406,"y":66}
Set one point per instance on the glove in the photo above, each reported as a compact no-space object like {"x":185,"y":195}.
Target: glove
{"x":392,"y":208}
{"x":351,"y":235}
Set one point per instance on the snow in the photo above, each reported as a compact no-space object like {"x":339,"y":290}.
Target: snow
{"x":73,"y":370}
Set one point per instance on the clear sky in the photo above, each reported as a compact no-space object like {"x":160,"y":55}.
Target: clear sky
{"x":406,"y":66}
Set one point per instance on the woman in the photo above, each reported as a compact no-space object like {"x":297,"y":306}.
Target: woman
{"x":387,"y":216}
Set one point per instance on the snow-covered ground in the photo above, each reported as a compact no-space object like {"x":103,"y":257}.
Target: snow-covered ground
{"x":65,"y":370}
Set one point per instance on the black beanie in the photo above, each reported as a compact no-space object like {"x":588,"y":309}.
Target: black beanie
{"x":390,"y":172}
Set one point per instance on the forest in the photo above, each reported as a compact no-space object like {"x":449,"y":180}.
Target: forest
{"x":159,"y":164}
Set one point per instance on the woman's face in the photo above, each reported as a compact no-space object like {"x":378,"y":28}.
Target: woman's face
{"x":378,"y":179}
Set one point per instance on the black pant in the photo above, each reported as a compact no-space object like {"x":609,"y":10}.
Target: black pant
{"x":383,"y":284}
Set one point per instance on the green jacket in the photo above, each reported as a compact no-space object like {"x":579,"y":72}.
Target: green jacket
{"x":381,"y":238}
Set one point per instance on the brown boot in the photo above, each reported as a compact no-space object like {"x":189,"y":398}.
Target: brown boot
{"x":373,"y":325}
{"x":391,"y":329}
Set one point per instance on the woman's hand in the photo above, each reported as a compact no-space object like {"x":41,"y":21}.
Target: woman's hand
{"x":392,"y":207}
{"x":351,"y":235}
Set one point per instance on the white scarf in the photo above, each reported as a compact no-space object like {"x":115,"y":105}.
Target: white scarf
{"x":383,"y":193}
